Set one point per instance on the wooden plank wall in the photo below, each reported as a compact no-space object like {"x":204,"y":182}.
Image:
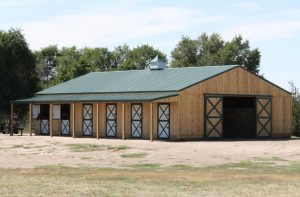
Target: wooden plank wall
{"x":235,"y":81}
{"x":174,"y":123}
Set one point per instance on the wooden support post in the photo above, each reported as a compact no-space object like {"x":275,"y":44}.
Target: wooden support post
{"x":73,"y":120}
{"x":123,"y":121}
{"x":178,"y":118}
{"x":11,"y":118}
{"x":30,"y":119}
{"x":51,"y":120}
{"x":151,"y":121}
{"x":97,"y":120}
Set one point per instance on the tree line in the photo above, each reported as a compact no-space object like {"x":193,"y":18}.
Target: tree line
{"x":24,"y":72}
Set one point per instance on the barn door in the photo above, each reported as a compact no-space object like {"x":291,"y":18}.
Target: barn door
{"x":263,"y":117}
{"x":44,"y":117}
{"x":213,"y":117}
{"x":87,"y":119}
{"x":136,"y":120}
{"x":44,"y":126}
{"x":163,"y":121}
{"x":65,"y":119}
{"x":111,"y":120}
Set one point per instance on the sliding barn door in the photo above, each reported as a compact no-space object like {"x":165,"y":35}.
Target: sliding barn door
{"x":163,"y":121}
{"x":263,"y":116}
{"x":136,"y":120}
{"x":213,"y":116}
{"x":111,"y":120}
{"x":87,"y":119}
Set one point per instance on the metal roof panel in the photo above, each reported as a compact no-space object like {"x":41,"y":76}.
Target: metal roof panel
{"x":170,"y":79}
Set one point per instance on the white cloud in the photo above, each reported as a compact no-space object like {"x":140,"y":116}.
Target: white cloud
{"x":18,"y":3}
{"x":112,"y":26}
{"x":265,"y":30}
{"x":249,"y":5}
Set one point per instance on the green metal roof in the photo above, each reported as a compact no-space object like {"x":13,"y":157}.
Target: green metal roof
{"x":170,"y":79}
{"x":105,"y":97}
{"x":133,"y":85}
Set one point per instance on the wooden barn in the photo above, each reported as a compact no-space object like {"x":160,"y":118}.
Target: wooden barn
{"x":163,"y":103}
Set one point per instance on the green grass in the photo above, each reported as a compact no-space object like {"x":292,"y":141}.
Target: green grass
{"x":182,"y":167}
{"x":85,"y":147}
{"x":86,"y":158}
{"x":94,"y":147}
{"x":246,"y":178}
{"x":295,"y":137}
{"x":28,"y":146}
{"x":117,"y":148}
{"x":134,"y":155}
{"x":145,"y":166}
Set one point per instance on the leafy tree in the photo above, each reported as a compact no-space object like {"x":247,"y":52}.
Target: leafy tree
{"x":296,"y":108}
{"x":120,"y":54}
{"x":213,"y":50}
{"x":46,"y":59}
{"x":186,"y":54}
{"x":69,"y":65}
{"x":139,"y":58}
{"x":17,"y":69}
{"x":97,"y":59}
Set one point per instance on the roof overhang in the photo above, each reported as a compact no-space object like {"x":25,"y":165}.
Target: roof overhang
{"x":101,"y":97}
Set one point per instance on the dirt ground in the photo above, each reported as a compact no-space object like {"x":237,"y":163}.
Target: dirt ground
{"x":33,"y":151}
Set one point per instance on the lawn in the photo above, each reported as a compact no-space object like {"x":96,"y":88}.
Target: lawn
{"x":246,"y":178}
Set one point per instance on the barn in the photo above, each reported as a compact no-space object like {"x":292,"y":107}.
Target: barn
{"x":209,"y":102}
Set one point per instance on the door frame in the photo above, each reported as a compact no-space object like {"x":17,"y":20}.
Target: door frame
{"x":61,"y":120}
{"x":206,"y":116}
{"x":41,"y":119}
{"x":257,"y":117}
{"x":83,"y":119}
{"x":255,"y":96}
{"x":42,"y":125}
{"x":169,"y":122}
{"x":141,"y":120}
{"x":116,"y":120}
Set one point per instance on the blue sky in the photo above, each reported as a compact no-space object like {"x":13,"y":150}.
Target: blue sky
{"x":273,"y":26}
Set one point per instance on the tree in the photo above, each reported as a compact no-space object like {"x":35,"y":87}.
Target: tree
{"x":296,"y":108}
{"x":120,"y":54}
{"x":213,"y":50}
{"x":186,"y":54}
{"x":46,"y":59}
{"x":139,"y":58}
{"x":97,"y":59}
{"x":69,"y":65}
{"x":17,"y":69}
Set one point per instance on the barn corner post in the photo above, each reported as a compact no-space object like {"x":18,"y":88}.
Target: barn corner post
{"x":11,"y":117}
{"x":151,"y":121}
{"x":30,"y":120}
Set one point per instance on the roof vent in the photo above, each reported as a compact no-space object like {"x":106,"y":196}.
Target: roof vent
{"x":157,"y":64}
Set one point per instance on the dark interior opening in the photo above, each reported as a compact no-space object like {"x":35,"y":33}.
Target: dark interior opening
{"x":65,"y":112}
{"x":238,"y":117}
{"x":44,"y":114}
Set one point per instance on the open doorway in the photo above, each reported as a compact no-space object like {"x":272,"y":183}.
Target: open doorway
{"x":65,"y":119}
{"x":239,"y":117}
{"x":44,"y":118}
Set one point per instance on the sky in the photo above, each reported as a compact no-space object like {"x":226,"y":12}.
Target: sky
{"x":272,"y":26}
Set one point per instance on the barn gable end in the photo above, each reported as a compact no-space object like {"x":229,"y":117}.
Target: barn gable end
{"x":239,"y":82}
